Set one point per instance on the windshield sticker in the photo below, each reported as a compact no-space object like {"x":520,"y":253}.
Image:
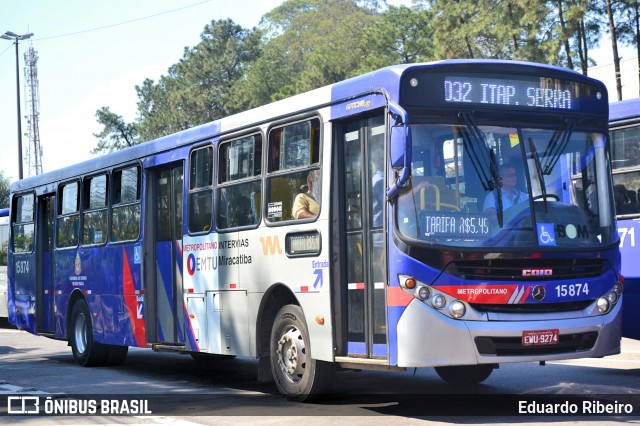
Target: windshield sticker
{"x":546,"y":234}
{"x":514,"y":139}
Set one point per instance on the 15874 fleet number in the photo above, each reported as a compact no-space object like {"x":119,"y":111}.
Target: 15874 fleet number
{"x":571,"y":290}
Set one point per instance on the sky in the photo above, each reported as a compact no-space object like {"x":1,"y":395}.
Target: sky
{"x":92,"y":54}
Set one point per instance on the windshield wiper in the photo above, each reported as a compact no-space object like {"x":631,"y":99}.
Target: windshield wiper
{"x":554,"y":149}
{"x":481,"y":163}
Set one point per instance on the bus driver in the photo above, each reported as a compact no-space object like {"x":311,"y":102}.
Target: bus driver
{"x":510,"y":195}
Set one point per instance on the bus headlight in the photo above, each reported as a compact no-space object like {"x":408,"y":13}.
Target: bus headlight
{"x":612,"y":296}
{"x":603,"y":304}
{"x":618,"y":288}
{"x":438,"y":301}
{"x":423,"y":292}
{"x":457,"y":309}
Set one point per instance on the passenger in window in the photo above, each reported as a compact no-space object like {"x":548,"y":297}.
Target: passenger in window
{"x":510,"y":195}
{"x":306,"y":204}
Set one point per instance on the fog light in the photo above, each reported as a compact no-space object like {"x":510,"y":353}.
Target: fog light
{"x":602,"y":304}
{"x":457,"y":309}
{"x":438,"y":301}
{"x":612,"y":297}
{"x":423,"y":292}
{"x":618,"y":288}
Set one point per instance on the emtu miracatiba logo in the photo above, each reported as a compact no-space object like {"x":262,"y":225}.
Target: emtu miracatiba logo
{"x":77,"y":265}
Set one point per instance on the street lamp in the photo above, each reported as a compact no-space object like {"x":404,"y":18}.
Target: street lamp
{"x":16,"y":38}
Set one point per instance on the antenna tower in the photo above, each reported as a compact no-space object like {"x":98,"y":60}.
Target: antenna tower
{"x":32,"y":100}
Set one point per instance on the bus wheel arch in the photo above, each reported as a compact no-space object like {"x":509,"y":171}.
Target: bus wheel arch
{"x":75,"y":296}
{"x":277,"y":296}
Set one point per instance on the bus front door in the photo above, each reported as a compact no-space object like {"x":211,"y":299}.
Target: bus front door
{"x":166,"y":316}
{"x":44,"y":260}
{"x":365,"y":259}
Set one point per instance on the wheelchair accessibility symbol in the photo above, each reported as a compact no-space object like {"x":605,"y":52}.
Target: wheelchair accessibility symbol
{"x":546,"y":234}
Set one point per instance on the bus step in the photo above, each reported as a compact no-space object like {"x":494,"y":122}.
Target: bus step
{"x":165,"y":347}
{"x":366,"y":363}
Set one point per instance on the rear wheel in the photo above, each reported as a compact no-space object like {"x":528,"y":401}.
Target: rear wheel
{"x":86,"y":352}
{"x":465,"y":375}
{"x":296,"y":373}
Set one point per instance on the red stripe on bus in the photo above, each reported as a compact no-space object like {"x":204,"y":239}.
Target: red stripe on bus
{"x":396,"y":296}
{"x":131,"y":301}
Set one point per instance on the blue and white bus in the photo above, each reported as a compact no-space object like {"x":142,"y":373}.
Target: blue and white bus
{"x":370,"y":224}
{"x":624,"y":130}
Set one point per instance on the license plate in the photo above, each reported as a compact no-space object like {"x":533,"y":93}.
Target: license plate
{"x":540,"y":337}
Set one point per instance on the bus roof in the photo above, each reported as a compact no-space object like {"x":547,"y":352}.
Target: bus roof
{"x":624,"y":110}
{"x":375,"y":81}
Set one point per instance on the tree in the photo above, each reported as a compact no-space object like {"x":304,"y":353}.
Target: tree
{"x":614,"y":46}
{"x":458,"y":28}
{"x":400,"y":36}
{"x":5,"y":190}
{"x":116,"y":134}
{"x":309,"y":44}
{"x":629,"y":31}
{"x":196,"y":89}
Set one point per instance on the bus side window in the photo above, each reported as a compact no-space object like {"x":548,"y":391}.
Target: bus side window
{"x":200,"y":190}
{"x":626,"y":191}
{"x":239,"y":192}
{"x":125,"y":212}
{"x":68,"y":215}
{"x":294,"y":184}
{"x":95,"y":207}
{"x":23,"y":224}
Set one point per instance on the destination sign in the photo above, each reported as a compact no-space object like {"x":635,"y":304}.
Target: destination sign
{"x":537,"y":93}
{"x":457,"y":225}
{"x":506,"y":86}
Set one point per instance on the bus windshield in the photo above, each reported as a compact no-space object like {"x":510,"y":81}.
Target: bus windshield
{"x":490,"y":186}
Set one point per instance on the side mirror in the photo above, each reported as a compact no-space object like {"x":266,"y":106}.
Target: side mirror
{"x":400,"y":149}
{"x":399,"y":144}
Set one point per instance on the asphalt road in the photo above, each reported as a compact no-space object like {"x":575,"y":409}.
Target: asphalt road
{"x":179,"y":390}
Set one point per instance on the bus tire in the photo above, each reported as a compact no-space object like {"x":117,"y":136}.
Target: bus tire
{"x":465,"y":375}
{"x":86,"y":352}
{"x":297,"y":375}
{"x":116,"y":354}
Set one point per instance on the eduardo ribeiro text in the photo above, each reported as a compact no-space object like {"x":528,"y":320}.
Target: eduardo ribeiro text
{"x":587,"y":407}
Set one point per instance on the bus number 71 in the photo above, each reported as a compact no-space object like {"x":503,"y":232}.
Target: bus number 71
{"x":623,"y":232}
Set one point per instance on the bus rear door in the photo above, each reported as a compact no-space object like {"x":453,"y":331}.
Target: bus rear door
{"x":163,"y":239}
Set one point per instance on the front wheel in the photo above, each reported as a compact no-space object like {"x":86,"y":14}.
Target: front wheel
{"x":296,"y":373}
{"x":465,"y":375}
{"x":86,"y":352}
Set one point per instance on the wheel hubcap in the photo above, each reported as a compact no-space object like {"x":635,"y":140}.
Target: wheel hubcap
{"x":292,"y":355}
{"x":80,"y":333}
